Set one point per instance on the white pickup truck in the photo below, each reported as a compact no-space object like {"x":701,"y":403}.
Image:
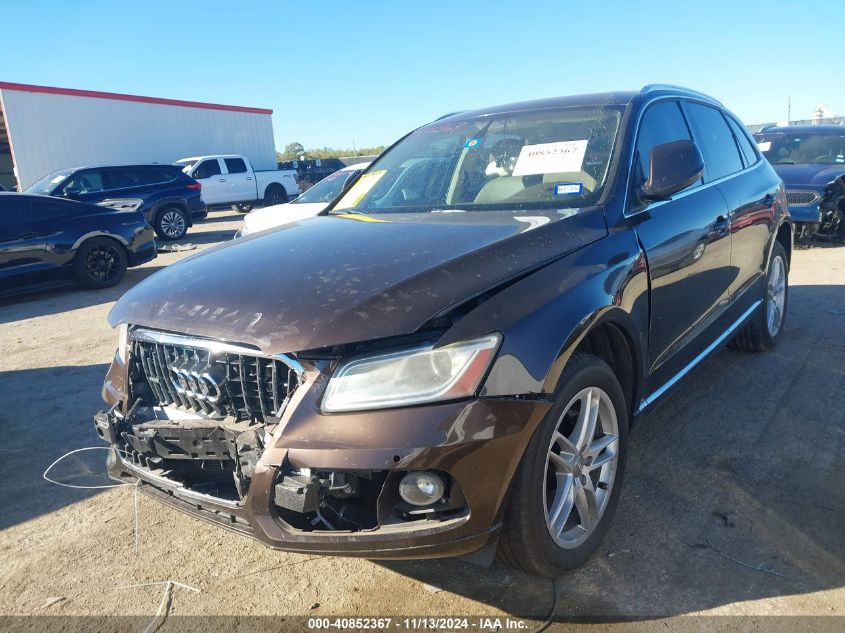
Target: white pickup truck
{"x":231,"y":180}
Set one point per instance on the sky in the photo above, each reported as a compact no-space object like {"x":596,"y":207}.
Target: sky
{"x":337,"y":73}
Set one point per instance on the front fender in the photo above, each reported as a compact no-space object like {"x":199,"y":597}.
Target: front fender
{"x":545,"y":316}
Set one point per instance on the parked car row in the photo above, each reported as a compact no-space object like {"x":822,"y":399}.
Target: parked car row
{"x":448,"y":358}
{"x":169,"y":199}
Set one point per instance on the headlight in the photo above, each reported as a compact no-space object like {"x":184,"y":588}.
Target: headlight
{"x":123,"y":342}
{"x":411,"y":376}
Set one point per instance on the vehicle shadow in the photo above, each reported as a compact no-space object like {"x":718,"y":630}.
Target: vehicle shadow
{"x":68,"y":297}
{"x":204,"y":237}
{"x":734,"y":490}
{"x":46,"y":413}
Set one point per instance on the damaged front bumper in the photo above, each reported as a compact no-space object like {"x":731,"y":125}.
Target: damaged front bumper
{"x":328,"y":484}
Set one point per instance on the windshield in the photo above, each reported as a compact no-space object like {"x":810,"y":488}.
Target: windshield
{"x":49,"y":182}
{"x":328,"y":188}
{"x":791,"y":149}
{"x":534,"y":159}
{"x":186,"y":165}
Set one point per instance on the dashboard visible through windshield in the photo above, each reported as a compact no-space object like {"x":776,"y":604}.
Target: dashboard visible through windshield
{"x":536,"y":159}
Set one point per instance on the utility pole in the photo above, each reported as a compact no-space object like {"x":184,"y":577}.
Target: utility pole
{"x":788,"y":109}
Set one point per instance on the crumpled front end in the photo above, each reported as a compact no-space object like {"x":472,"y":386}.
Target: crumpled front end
{"x":238,"y":438}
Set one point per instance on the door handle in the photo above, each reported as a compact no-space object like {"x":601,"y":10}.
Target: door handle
{"x":221,"y":180}
{"x":27,"y":236}
{"x":249,"y":177}
{"x":769,"y":200}
{"x":721,"y":224}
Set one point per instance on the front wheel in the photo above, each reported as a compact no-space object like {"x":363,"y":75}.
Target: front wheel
{"x":243,"y":207}
{"x":171,"y":224}
{"x":568,"y":483}
{"x":762,"y":333}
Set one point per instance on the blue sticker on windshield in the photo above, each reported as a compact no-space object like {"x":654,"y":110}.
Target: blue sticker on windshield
{"x":473,"y":142}
{"x":569,"y":189}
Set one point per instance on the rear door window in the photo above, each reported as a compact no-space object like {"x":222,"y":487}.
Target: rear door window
{"x":235,"y":165}
{"x":207,"y":168}
{"x":714,"y":137}
{"x":662,"y":123}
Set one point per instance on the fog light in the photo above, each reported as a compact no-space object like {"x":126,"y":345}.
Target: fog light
{"x":421,"y":488}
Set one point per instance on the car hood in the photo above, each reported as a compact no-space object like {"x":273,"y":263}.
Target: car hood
{"x":332,"y":280}
{"x":278,"y":214}
{"x":809,"y":176}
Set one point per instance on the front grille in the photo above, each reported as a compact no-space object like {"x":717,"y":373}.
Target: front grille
{"x":801,"y":198}
{"x":213,"y":379}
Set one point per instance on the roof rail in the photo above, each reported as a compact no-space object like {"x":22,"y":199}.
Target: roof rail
{"x":672,"y":88}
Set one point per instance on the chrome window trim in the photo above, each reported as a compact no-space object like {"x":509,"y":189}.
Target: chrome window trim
{"x":217,"y":347}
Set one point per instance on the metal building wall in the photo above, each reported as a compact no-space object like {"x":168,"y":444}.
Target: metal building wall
{"x":55,"y":131}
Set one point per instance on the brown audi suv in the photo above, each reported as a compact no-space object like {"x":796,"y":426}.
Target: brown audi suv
{"x":448,"y":360}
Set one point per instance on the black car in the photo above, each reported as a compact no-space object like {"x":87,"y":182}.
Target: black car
{"x":449,"y":358}
{"x":169,"y":199}
{"x":811,"y":161}
{"x":47,"y":241}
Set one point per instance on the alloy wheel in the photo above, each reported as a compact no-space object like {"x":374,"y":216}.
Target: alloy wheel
{"x":581,"y":467}
{"x":775,"y":296}
{"x":173,"y":224}
{"x":102,"y":263}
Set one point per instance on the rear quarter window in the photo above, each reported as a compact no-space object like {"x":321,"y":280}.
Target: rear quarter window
{"x":745,"y":145}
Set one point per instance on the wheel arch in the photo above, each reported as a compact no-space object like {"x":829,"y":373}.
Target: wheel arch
{"x":92,"y":234}
{"x":166,"y":203}
{"x":784,"y":237}
{"x":607,"y":333}
{"x":272,"y":186}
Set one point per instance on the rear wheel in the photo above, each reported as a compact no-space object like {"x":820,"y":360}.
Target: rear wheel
{"x":762,"y":333}
{"x":171,"y":223}
{"x":99,"y":263}
{"x":275,"y":194}
{"x":568,"y":483}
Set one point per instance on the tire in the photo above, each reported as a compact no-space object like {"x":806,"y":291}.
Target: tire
{"x":275,"y":194}
{"x":243,"y":207}
{"x":171,"y":223}
{"x":764,"y":330}
{"x":100,"y":262}
{"x":537,"y":490}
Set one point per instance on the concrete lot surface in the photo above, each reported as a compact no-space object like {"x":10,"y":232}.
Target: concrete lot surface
{"x":734,"y":500}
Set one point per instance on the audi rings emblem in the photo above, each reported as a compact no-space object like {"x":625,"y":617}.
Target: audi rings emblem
{"x":194,"y":384}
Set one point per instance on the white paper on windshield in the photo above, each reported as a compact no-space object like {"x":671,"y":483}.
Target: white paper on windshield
{"x":57,"y":179}
{"x":551,"y":158}
{"x":765,"y":146}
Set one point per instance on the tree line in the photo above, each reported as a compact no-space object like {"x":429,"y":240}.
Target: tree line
{"x":294,"y":151}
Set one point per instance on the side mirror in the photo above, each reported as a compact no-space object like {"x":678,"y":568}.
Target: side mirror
{"x":70,"y":193}
{"x":673,"y":167}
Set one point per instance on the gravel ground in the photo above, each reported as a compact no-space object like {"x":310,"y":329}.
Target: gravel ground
{"x":734,"y":501}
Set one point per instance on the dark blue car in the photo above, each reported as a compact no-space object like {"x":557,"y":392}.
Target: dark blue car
{"x":169,"y":199}
{"x":811,"y":161}
{"x":46,"y":241}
